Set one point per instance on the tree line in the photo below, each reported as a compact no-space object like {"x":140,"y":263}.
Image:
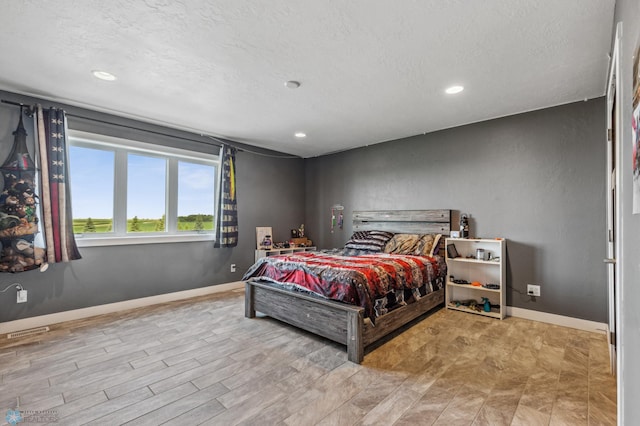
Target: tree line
{"x":196,"y":222}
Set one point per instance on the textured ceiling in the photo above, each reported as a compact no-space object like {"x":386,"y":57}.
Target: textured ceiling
{"x":371,"y":70}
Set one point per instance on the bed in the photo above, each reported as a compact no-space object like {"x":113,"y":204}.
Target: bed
{"x":348,"y":311}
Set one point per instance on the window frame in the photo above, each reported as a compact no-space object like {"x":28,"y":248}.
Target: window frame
{"x":122,"y":148}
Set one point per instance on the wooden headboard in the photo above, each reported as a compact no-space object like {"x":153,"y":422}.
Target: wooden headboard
{"x":404,"y":221}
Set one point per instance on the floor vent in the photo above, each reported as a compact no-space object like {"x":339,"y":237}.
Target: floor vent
{"x":29,"y":332}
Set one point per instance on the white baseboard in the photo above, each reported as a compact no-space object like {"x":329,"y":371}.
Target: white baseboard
{"x":580,"y":324}
{"x":58,"y":317}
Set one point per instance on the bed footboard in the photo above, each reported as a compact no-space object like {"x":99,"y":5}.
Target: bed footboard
{"x":336,"y":321}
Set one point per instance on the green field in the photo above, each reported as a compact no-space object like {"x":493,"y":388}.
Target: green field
{"x":185,"y":223}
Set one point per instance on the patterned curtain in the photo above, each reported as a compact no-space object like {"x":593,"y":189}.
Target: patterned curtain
{"x":54,"y":192}
{"x":227,"y":230}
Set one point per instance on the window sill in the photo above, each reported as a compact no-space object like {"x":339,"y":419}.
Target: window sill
{"x":142,"y":239}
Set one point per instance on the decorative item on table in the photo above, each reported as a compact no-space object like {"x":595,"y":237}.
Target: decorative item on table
{"x":264,"y":240}
{"x":301,"y":242}
{"x":464,"y":226}
{"x":294,"y":233}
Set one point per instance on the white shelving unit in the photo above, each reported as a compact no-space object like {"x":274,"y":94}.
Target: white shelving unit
{"x":467,"y":267}
{"x":276,"y":251}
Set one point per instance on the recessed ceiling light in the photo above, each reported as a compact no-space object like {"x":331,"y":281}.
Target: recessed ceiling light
{"x":103,"y":75}
{"x":454,"y":89}
{"x":300,"y":135}
{"x":292,"y":84}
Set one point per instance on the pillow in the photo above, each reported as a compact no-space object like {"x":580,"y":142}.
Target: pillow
{"x":402,"y":244}
{"x":430,"y":244}
{"x":416,"y":244}
{"x":373,"y":241}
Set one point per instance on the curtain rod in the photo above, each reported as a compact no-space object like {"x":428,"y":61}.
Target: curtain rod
{"x":213,"y":138}
{"x":149,"y":131}
{"x":31,"y":109}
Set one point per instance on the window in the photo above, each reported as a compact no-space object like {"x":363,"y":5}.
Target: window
{"x":92,"y":198}
{"x":196,"y":203}
{"x":146,"y":193}
{"x":129,"y":192}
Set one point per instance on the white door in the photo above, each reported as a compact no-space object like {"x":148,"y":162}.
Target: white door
{"x":613,"y":147}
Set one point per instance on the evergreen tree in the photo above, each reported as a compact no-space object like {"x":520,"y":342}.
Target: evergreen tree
{"x":160,"y":224}
{"x":89,"y":226}
{"x":135,"y":225}
{"x":199,"y":226}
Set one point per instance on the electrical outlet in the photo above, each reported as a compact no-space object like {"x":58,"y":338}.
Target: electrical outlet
{"x":533,"y":290}
{"x":22,"y":296}
{"x":233,"y":267}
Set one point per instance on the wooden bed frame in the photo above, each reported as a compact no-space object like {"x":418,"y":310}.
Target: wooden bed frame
{"x":338,"y":321}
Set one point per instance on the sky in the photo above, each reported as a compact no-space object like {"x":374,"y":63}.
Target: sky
{"x":92,"y":184}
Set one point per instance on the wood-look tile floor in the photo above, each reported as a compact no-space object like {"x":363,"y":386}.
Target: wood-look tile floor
{"x":201,"y":362}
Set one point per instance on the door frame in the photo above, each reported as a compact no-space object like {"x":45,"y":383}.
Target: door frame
{"x":614,"y":216}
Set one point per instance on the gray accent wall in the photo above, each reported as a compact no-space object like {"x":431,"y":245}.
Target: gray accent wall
{"x":537,"y":179}
{"x":270,"y":193}
{"x":628,"y":13}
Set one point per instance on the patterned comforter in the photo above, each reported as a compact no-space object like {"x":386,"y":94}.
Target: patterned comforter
{"x":358,"y":280}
